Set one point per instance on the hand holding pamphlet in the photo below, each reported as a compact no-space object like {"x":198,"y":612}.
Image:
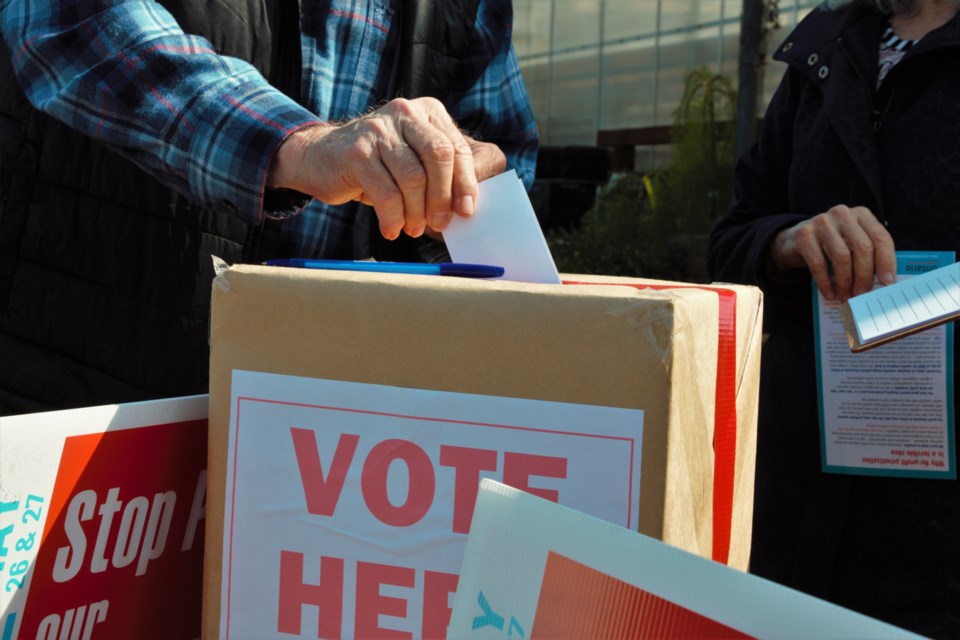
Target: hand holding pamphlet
{"x":890,"y":411}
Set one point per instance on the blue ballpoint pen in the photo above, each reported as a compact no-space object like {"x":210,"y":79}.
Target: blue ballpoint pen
{"x":421,"y":268}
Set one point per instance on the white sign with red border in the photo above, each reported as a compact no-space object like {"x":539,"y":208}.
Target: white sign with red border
{"x":102,"y":518}
{"x":348,"y":505}
{"x":533,"y":569}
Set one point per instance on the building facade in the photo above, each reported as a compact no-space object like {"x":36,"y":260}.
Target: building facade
{"x":605,"y":65}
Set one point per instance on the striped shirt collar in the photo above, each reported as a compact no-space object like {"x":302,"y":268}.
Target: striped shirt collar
{"x":890,"y":40}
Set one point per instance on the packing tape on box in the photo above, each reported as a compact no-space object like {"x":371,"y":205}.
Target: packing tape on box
{"x":725,"y":409}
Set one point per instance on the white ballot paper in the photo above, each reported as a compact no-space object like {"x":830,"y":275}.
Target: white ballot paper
{"x":922,"y":301}
{"x":504,"y":231}
{"x":890,"y":410}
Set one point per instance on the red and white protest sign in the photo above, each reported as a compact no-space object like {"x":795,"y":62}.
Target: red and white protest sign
{"x":534,"y":569}
{"x":348,"y":505}
{"x":101,"y":521}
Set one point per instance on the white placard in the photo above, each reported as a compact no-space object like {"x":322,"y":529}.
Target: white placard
{"x":368,"y":491}
{"x":536,"y":569}
{"x":101,"y":517}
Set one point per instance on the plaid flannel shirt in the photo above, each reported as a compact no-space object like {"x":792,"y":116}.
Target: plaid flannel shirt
{"x":123,"y":72}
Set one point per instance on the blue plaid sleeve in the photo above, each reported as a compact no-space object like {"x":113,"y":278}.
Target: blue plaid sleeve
{"x":124,"y":72}
{"x":492,"y":102}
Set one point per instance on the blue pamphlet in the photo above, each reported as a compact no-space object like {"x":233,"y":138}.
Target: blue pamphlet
{"x":888,"y":410}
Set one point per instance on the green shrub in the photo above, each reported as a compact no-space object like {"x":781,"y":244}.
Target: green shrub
{"x":697,"y":185}
{"x":655,"y":226}
{"x":621,"y":235}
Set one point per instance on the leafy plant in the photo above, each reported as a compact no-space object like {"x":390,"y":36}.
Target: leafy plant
{"x":697,"y":186}
{"x":655,"y":225}
{"x":620,"y":235}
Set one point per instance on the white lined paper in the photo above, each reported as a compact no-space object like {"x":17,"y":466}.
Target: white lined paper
{"x":909,"y":304}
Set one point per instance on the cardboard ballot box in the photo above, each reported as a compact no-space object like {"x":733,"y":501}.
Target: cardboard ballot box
{"x":352,"y":416}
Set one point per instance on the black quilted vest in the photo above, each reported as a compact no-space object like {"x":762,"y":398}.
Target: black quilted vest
{"x":105,"y":274}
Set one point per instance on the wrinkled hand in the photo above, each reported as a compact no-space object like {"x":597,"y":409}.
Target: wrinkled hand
{"x":488,"y":159}
{"x":850,"y":241}
{"x":408,"y":160}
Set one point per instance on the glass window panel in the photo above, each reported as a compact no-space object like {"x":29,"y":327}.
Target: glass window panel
{"x":531,"y":27}
{"x":685,"y":14}
{"x":641,"y":78}
{"x":576,"y":24}
{"x":679,"y":54}
{"x":535,"y":76}
{"x":573,"y":98}
{"x":629,"y":19}
{"x":731,"y":49}
{"x":628,"y":86}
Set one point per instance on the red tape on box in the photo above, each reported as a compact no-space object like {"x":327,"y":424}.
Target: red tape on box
{"x":725,"y":410}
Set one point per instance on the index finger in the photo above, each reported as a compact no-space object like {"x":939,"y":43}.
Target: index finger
{"x":440,"y":149}
{"x":464,"y":185}
{"x":884,"y":251}
{"x":809,"y":247}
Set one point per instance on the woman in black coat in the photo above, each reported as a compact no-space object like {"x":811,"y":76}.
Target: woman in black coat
{"x":859,"y":156}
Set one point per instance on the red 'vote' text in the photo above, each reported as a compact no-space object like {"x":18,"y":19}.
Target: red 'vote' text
{"x":323,"y":491}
